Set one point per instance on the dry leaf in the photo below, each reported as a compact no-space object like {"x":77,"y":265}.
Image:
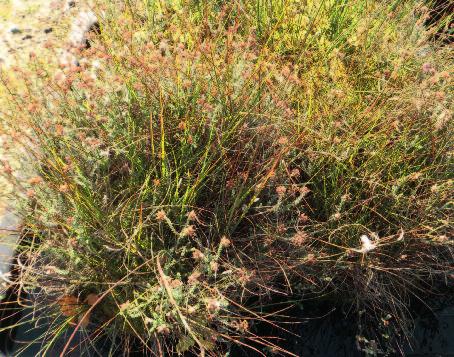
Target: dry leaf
{"x":69,"y":305}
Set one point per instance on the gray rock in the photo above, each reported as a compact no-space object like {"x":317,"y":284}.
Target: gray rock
{"x":15,"y":30}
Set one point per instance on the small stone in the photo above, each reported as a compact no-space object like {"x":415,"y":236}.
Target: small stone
{"x":70,"y":4}
{"x":28,"y":37}
{"x":15,"y":31}
{"x":85,"y":23}
{"x":48,"y":30}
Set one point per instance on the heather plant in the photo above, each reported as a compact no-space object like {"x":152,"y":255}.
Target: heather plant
{"x":206,"y":158}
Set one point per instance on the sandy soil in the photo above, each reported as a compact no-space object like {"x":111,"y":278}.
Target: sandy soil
{"x":25,"y":27}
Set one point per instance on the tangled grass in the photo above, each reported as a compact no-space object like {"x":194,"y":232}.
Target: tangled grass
{"x":215,"y":155}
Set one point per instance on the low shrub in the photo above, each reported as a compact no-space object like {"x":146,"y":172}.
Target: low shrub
{"x":206,"y":158}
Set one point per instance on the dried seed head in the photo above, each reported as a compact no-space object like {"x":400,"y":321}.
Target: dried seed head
{"x":59,"y":130}
{"x":428,"y":68}
{"x":163,"y":329}
{"x":299,"y":238}
{"x":281,"y":228}
{"x":182,"y":126}
{"x":295,"y":173}
{"x":63,"y":188}
{"x":244,"y":276}
{"x":161,"y":216}
{"x":241,"y":326}
{"x":304,"y":191}
{"x":213,"y":305}
{"x":282,"y":140}
{"x":225,"y":242}
{"x":35,"y":180}
{"x":194,"y":277}
{"x":192,"y":216}
{"x":281,"y":190}
{"x":188,"y":231}
{"x":174,"y":283}
{"x":214,"y":266}
{"x":7,"y":168}
{"x":197,"y":255}
{"x":310,"y":258}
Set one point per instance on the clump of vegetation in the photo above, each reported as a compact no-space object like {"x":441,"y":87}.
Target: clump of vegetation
{"x":208,"y":157}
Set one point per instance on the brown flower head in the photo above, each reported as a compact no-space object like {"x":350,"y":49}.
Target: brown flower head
{"x":197,"y":255}
{"x":299,"y":238}
{"x":69,"y":305}
{"x":188,"y":231}
{"x":281,"y":190}
{"x":161,"y":216}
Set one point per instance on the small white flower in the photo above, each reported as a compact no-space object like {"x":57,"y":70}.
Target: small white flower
{"x":366,"y":244}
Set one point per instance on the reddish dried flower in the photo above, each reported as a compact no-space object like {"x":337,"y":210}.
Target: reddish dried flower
{"x":440,"y":95}
{"x":310,"y":258}
{"x":299,"y":238}
{"x":30,"y":193}
{"x":93,"y":142}
{"x":32,"y":108}
{"x":194,"y":278}
{"x":281,"y":190}
{"x":161,"y":216}
{"x":174,"y":283}
{"x":163,"y":330}
{"x":92,"y":299}
{"x":186,"y":84}
{"x":182,"y":126}
{"x":197,"y":255}
{"x":244,"y":276}
{"x":303,"y":218}
{"x":428,"y":68}
{"x":188,"y":231}
{"x":304,"y":191}
{"x":281,"y":228}
{"x":35,"y":180}
{"x":63,"y":188}
{"x":59,"y":129}
{"x":7,"y":168}
{"x":225,"y":242}
{"x":213,"y":305}
{"x":282,"y":140}
{"x":295,"y":173}
{"x":241,"y":326}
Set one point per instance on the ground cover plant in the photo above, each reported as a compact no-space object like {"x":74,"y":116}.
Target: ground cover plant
{"x":208,"y":157}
